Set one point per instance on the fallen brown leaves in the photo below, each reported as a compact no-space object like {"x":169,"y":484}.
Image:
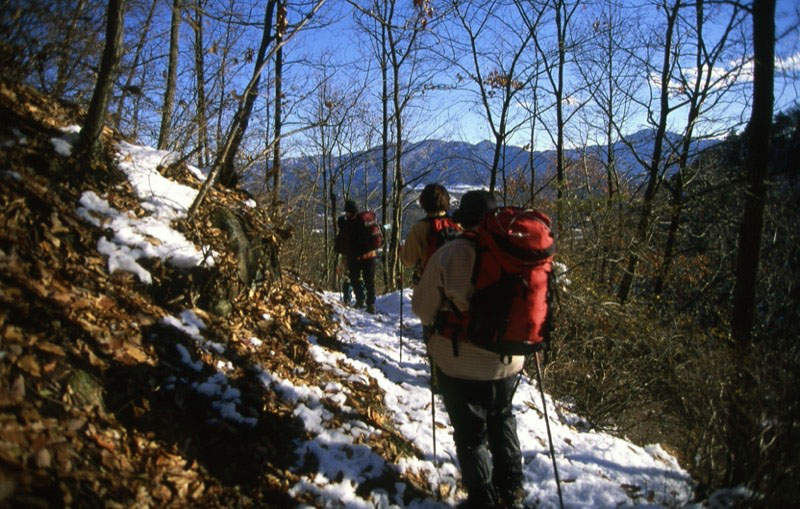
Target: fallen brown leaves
{"x":93,"y":409}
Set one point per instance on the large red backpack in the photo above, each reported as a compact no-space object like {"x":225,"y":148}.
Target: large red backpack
{"x":367,"y":235}
{"x":510,"y":310}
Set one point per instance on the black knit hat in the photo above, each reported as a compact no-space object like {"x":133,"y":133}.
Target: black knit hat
{"x":474,"y":205}
{"x":350,"y":207}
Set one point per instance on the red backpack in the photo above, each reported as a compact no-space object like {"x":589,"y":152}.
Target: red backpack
{"x":510,"y":310}
{"x":441,"y":230}
{"x":367,"y":235}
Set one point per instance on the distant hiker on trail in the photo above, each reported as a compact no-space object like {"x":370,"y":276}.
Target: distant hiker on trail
{"x":431,"y":232}
{"x":477,"y":385}
{"x":340,"y":246}
{"x":360,"y":238}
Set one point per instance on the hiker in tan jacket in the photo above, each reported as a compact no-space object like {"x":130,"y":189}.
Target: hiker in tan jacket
{"x":477,"y":385}
{"x":434,"y":200}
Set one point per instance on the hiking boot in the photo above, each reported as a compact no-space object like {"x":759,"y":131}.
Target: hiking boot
{"x":359,"y":304}
{"x":513,"y":499}
{"x":371,"y":309}
{"x":480,"y":496}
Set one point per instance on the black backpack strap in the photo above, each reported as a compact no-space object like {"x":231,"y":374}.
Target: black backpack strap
{"x":457,"y":330}
{"x":479,"y":249}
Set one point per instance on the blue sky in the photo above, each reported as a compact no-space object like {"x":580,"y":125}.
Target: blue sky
{"x":456,"y":115}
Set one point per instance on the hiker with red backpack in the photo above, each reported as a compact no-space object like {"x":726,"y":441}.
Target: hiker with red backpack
{"x":484,"y":296}
{"x":431,"y":232}
{"x":360,"y":239}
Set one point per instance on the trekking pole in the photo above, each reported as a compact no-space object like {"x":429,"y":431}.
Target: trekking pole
{"x":401,"y":317}
{"x":433,"y":408}
{"x":549,"y":434}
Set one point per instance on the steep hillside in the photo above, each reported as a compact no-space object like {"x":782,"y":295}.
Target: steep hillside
{"x":106,"y":378}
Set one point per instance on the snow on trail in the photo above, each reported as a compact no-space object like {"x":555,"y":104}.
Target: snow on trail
{"x":596,"y":469}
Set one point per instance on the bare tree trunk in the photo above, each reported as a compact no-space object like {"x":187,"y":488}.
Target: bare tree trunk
{"x":276,"y":160}
{"x":223,"y":68}
{"x":654,"y":172}
{"x":223,"y":163}
{"x":115,"y":21}
{"x":672,"y":235}
{"x":741,"y":443}
{"x":683,"y":162}
{"x":532,"y":167}
{"x":396,"y":45}
{"x":502,"y":133}
{"x":137,"y":106}
{"x":564,"y":13}
{"x":611,"y":167}
{"x":698,"y":92}
{"x":199,"y":69}
{"x":64,"y":58}
{"x":560,"y":117}
{"x":555,"y":75}
{"x":227,"y":157}
{"x":531,"y":161}
{"x":393,"y":266}
{"x":749,"y":253}
{"x":172,"y":73}
{"x":128,"y":88}
{"x":334,"y":223}
{"x":385,"y":144}
{"x":508,"y":75}
{"x":328,"y":190}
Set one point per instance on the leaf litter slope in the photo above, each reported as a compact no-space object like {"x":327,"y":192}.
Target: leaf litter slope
{"x":117,"y":391}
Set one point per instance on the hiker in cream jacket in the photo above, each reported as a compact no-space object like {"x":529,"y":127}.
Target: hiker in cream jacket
{"x":449,"y":274}
{"x":477,"y":385}
{"x":434,"y":200}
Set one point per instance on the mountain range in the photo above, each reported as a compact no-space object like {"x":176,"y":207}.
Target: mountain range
{"x":458,"y":165}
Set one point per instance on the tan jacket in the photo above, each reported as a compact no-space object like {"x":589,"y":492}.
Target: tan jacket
{"x":416,"y":244}
{"x":449,"y":274}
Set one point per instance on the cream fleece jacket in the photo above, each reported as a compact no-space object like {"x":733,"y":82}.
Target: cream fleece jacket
{"x":449,"y":274}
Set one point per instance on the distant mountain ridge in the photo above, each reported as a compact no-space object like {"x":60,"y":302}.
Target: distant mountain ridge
{"x":460,"y":164}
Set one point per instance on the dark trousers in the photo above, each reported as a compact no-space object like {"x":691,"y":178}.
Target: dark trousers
{"x":485,"y":433}
{"x":366,"y":270}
